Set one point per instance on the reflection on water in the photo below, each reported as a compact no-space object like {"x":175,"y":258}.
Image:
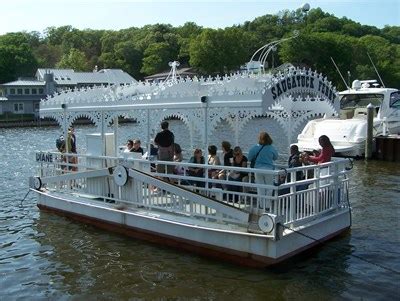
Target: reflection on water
{"x":87,"y":258}
{"x":44,"y":256}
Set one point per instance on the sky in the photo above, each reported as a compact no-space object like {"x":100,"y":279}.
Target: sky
{"x":37,"y":15}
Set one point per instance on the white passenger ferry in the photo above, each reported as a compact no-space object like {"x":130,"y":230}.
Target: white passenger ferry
{"x":123,"y":193}
{"x":348,"y":130}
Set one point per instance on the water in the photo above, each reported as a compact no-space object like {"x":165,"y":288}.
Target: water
{"x":44,"y":256}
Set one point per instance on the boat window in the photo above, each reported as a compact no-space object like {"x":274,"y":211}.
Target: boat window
{"x":360,"y":100}
{"x":395,"y":99}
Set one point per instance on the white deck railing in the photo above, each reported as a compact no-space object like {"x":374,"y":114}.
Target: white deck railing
{"x":323,"y":189}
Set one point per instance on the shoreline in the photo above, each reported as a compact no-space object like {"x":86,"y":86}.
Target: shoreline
{"x":24,"y":124}
{"x":45,"y":123}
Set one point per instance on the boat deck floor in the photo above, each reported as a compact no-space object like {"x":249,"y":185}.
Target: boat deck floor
{"x":162,"y":213}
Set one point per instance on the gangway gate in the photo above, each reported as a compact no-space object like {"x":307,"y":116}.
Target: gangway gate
{"x":220,"y":207}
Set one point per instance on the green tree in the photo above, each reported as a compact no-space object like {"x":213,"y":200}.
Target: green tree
{"x":156,"y":58}
{"x":392,"y":33}
{"x":55,"y":35}
{"x":148,"y":49}
{"x":16,"y":57}
{"x":129,"y":58}
{"x":186,"y":34}
{"x":386,"y":57}
{"x":315,"y":50}
{"x":75,"y":59}
{"x":219,"y":51}
{"x":328,"y":24}
{"x":47,"y":55}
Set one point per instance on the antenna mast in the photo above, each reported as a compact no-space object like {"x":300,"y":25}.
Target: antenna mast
{"x":376,"y":70}
{"x":337,"y":69}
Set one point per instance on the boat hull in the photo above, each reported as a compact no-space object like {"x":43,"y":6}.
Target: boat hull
{"x":249,"y":249}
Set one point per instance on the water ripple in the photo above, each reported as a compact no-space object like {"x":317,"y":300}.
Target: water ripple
{"x":44,"y":256}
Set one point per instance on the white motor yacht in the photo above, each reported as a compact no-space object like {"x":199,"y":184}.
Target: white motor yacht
{"x":348,"y":130}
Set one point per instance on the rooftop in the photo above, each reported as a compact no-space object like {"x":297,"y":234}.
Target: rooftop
{"x":70,"y":77}
{"x":24,"y":82}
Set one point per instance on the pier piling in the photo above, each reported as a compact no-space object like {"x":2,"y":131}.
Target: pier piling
{"x":370,"y":125}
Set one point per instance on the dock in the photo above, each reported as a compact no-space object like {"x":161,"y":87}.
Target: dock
{"x":387,"y":148}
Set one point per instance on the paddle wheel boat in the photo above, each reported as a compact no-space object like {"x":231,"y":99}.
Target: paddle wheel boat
{"x":121,"y":192}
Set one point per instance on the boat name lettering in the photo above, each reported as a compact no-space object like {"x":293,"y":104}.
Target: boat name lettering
{"x":301,"y":81}
{"x":44,"y":157}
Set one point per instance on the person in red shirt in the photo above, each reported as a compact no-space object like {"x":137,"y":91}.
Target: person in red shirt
{"x":325,"y":154}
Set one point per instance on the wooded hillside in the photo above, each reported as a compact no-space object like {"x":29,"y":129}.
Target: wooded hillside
{"x":147,"y":50}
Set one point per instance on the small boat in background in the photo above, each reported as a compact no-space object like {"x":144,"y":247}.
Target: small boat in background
{"x":348,"y":131}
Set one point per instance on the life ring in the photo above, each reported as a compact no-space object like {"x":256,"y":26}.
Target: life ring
{"x":37,"y":183}
{"x":120,"y":175}
{"x":266,"y":223}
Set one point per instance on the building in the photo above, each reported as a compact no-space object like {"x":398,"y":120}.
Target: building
{"x":23,"y":95}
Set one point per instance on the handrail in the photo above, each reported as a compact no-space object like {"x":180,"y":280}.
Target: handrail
{"x":323,"y":189}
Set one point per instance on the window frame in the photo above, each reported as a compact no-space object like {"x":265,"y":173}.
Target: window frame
{"x":357,"y":98}
{"x":394,"y":103}
{"x":19,"y":107}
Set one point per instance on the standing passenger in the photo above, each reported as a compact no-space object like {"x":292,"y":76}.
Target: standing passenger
{"x":165,"y":142}
{"x":264,"y":154}
{"x":71,"y":143}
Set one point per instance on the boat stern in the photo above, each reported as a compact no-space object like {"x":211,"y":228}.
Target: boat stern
{"x":347,"y":136}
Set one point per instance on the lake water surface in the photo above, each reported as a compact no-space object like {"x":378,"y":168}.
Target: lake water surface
{"x":45,"y":256}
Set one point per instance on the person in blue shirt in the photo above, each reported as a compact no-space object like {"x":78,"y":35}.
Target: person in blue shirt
{"x":263,"y":155}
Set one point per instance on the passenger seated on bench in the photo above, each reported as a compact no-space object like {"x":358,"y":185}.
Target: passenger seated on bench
{"x":294,"y":161}
{"x":150,"y":155}
{"x":325,"y":155}
{"x":281,"y":179}
{"x":213,"y":159}
{"x":239,"y":160}
{"x":129,"y":146}
{"x":197,"y":171}
{"x":136,"y":147}
{"x":178,"y":170}
{"x":304,"y":160}
{"x":228,"y":155}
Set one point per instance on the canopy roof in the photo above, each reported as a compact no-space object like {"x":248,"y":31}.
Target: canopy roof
{"x":294,"y":94}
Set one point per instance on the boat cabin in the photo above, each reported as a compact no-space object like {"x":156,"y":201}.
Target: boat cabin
{"x":354,"y":102}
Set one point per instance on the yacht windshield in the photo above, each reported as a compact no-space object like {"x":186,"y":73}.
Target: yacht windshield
{"x":395,"y":99}
{"x":360,"y":100}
